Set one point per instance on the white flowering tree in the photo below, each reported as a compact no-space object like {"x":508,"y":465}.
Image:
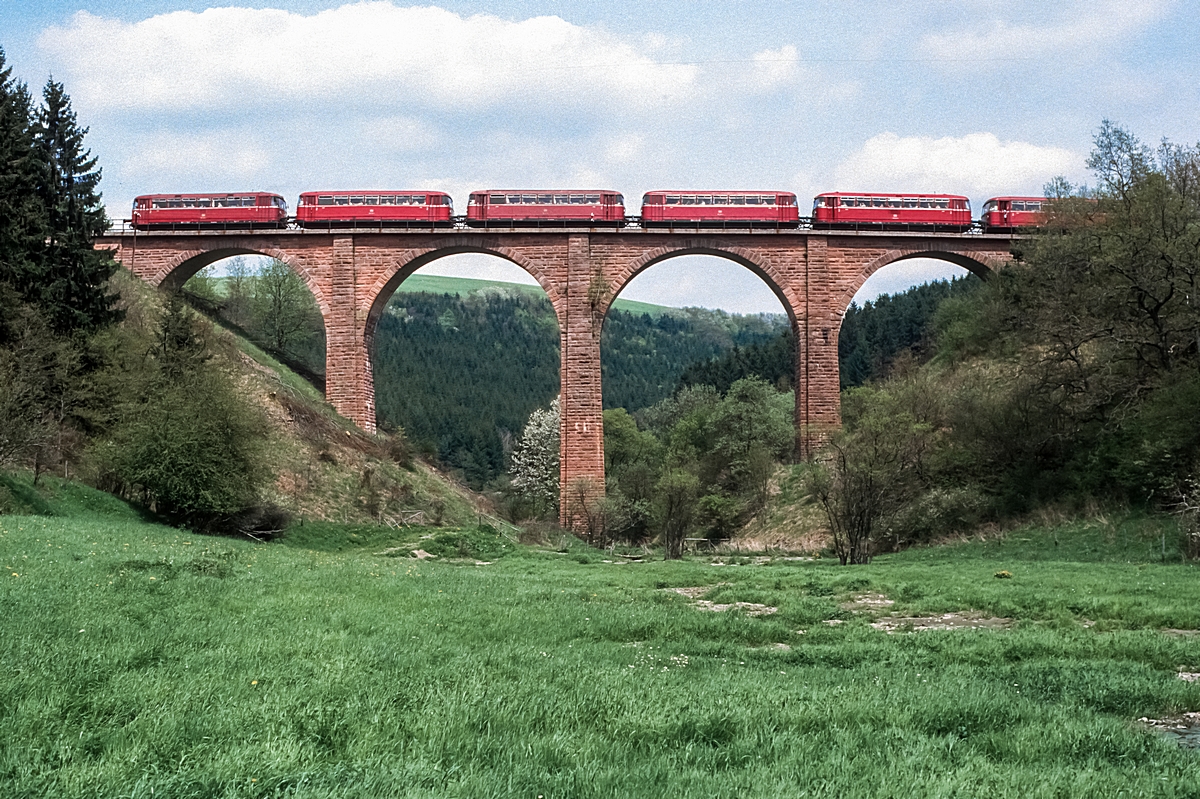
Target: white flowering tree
{"x":534,"y":466}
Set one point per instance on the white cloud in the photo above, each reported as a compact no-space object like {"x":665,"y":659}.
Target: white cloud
{"x":1093,"y":24}
{"x":206,"y":157}
{"x":774,"y":68}
{"x":366,"y":51}
{"x":975,"y":164}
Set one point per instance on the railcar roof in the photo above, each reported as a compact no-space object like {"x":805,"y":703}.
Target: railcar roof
{"x":545,"y":191}
{"x":721,"y":191}
{"x":890,"y":194}
{"x":345,"y":192}
{"x":1015,"y":197}
{"x":208,"y":194}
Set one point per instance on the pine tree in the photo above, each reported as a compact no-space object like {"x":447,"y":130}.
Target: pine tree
{"x":22,"y":217}
{"x":73,"y":281}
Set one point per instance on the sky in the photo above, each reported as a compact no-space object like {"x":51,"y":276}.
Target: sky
{"x":938,"y":96}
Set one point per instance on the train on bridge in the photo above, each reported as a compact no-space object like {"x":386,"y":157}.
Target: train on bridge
{"x":592,"y":208}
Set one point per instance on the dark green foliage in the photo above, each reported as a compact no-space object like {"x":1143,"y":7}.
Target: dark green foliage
{"x":871,"y":337}
{"x":644,"y":358}
{"x":185,"y":444}
{"x":462,"y":374}
{"x":699,"y":464}
{"x":70,"y":281}
{"x":1071,"y":377}
{"x":22,"y":217}
{"x":773,"y":361}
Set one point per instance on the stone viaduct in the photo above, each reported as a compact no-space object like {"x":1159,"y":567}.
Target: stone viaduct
{"x":353,"y":274}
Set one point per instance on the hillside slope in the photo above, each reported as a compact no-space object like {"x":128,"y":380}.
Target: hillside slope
{"x":324,"y":466}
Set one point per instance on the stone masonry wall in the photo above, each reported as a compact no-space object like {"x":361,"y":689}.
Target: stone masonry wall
{"x":353,"y":275}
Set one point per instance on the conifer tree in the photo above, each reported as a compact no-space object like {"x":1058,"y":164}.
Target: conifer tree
{"x":72,"y":283}
{"x":22,"y":219}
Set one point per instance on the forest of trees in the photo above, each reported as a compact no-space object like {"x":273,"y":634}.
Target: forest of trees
{"x":1070,"y":378}
{"x":132,"y":403}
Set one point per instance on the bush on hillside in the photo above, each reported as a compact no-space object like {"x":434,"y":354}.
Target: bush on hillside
{"x":185,"y":444}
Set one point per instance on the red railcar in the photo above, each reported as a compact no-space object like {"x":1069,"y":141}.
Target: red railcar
{"x":546,"y":207}
{"x":720,"y":209}
{"x":891,"y":211}
{"x":249,"y":209}
{"x":1004,"y":214}
{"x":374,"y":209}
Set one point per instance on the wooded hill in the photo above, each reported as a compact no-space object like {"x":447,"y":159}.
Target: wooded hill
{"x":460,"y":364}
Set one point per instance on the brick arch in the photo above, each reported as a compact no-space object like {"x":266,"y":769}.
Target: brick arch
{"x":179,"y":269}
{"x":982,"y":265}
{"x":747,"y":257}
{"x":410,"y":261}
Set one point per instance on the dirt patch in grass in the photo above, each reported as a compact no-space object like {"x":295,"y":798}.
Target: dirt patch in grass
{"x":695,"y":592}
{"x":959,"y":620}
{"x":1184,"y":729}
{"x":866,"y":602}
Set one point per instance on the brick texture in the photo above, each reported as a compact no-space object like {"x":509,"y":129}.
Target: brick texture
{"x":353,"y":275}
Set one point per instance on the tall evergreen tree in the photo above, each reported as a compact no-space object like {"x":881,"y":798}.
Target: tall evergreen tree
{"x":72,"y":290}
{"x":22,"y":219}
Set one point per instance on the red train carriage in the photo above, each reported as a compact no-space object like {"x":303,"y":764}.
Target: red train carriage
{"x":891,"y":211}
{"x":374,"y":209}
{"x":546,"y":207}
{"x":241,"y":210}
{"x":720,"y":209}
{"x":1004,"y":214}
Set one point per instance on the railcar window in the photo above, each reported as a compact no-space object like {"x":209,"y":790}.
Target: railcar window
{"x":592,"y":199}
{"x":672,"y":199}
{"x":619,"y":199}
{"x":768,"y":200}
{"x":908,"y":203}
{"x":341,"y":200}
{"x":750,"y":200}
{"x":499,"y":199}
{"x":720,"y":200}
{"x":325,"y":200}
{"x":1037,"y":206}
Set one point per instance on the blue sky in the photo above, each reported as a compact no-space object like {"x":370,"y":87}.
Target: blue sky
{"x":971,"y":98}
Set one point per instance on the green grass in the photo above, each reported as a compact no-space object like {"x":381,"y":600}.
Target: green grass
{"x":137,"y":657}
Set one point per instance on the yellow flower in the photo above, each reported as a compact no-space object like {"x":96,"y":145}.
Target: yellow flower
{"x":254,"y":682}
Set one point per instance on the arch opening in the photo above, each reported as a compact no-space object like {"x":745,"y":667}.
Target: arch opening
{"x":892,"y":312}
{"x":684,"y":309}
{"x":265,"y":299}
{"x":464,"y":345}
{"x":681,"y":426}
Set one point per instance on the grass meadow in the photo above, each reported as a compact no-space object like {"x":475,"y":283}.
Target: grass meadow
{"x":142,"y":661}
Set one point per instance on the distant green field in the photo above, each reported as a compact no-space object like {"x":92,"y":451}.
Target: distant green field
{"x":141,"y":661}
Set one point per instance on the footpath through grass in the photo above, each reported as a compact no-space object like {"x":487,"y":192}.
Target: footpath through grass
{"x":140,"y":661}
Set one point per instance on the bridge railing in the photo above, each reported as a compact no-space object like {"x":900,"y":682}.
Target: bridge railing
{"x":631,"y":225}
